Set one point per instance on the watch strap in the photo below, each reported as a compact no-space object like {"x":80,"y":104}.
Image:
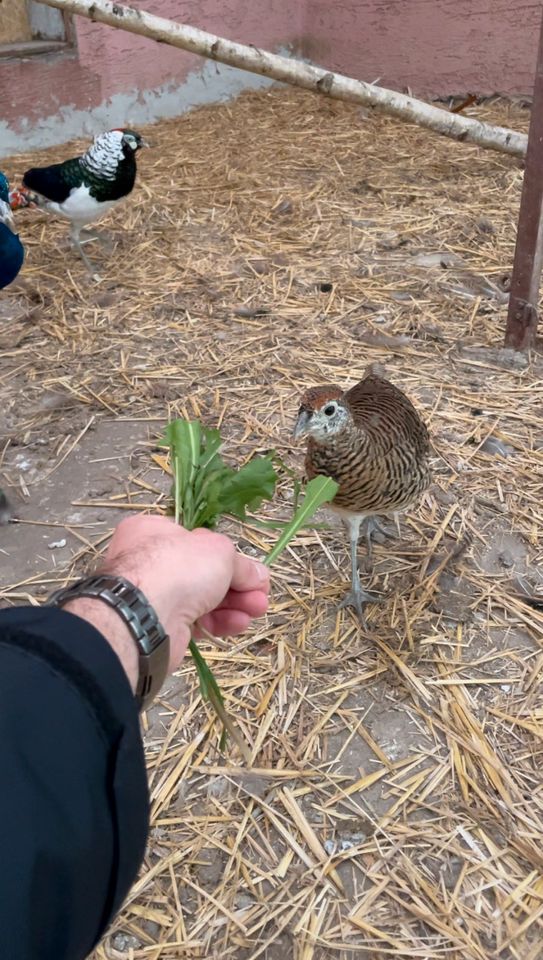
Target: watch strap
{"x":141,"y":619}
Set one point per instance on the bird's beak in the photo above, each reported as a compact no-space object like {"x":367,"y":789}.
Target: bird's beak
{"x":302,"y":424}
{"x":144,"y":142}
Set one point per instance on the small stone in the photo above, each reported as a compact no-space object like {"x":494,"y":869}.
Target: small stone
{"x":506,"y":559}
{"x":57,"y":544}
{"x":123,"y":942}
{"x":286,"y":206}
{"x":249,"y":312}
{"x":244,"y":901}
{"x":218,"y":787}
{"x":259,"y":266}
{"x":495,"y":447}
{"x":484,"y":225}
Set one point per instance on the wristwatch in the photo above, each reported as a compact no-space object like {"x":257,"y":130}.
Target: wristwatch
{"x":152,"y":641}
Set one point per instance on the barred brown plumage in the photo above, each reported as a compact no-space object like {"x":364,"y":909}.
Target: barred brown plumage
{"x":372,"y":442}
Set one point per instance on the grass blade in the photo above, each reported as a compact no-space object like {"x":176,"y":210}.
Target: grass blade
{"x":210,"y":691}
{"x":318,"y":491}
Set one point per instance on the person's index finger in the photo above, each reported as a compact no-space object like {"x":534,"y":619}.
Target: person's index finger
{"x":249,"y":574}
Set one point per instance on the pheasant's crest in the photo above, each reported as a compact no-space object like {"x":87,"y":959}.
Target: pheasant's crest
{"x":314,"y":398}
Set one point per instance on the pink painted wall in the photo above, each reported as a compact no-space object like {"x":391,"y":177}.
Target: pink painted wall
{"x":108,"y":62}
{"x":435,"y":47}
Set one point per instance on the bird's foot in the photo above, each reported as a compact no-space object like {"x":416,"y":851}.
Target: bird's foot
{"x":93,"y":273}
{"x":356,"y":598}
{"x":86,"y":261}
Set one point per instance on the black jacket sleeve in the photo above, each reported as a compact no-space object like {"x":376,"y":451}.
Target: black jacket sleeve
{"x":73,"y":787}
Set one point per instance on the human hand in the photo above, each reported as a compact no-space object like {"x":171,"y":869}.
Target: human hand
{"x":192,"y":578}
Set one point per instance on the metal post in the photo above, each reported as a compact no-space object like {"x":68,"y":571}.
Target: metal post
{"x":522,"y":317}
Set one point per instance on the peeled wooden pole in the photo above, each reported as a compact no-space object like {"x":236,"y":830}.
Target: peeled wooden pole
{"x":297,"y":73}
{"x":522,"y":317}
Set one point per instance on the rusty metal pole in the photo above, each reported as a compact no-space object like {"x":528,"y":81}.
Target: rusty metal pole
{"x":522,"y":317}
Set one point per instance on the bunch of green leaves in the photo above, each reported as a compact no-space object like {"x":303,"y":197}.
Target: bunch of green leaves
{"x":205,"y":488}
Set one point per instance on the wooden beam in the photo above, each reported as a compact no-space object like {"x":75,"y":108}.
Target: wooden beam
{"x":296,"y":72}
{"x":522,"y":316}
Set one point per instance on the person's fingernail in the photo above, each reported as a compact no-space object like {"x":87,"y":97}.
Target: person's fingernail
{"x":262,"y":572}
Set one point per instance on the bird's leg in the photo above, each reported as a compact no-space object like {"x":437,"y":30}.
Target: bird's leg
{"x":89,"y":236}
{"x":373,"y":525}
{"x":75,"y":231}
{"x":357,"y":597}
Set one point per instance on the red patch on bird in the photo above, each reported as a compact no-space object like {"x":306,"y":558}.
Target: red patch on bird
{"x":21,"y":198}
{"x":316,"y":397}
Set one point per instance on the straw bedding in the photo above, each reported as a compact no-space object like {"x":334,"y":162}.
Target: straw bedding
{"x":394,"y":807}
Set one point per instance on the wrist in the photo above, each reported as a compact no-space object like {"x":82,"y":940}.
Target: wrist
{"x":108,"y":622}
{"x":173,"y":618}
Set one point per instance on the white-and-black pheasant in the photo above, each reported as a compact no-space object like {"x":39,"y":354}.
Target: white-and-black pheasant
{"x":84,"y":188}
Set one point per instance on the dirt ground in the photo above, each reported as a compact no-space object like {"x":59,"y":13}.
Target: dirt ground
{"x":395,"y":804}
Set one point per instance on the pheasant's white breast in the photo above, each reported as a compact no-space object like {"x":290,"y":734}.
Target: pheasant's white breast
{"x":80,"y":207}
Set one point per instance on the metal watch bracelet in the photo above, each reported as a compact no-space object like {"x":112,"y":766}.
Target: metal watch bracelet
{"x":139,"y":616}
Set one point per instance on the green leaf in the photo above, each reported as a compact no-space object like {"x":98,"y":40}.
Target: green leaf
{"x":210,"y":445}
{"x":318,"y":491}
{"x":184,"y":440}
{"x":208,"y":510}
{"x":208,"y":684}
{"x":207,"y":487}
{"x":210,"y":691}
{"x":246,"y":488}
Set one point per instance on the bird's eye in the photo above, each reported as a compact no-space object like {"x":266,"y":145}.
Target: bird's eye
{"x":330,"y":410}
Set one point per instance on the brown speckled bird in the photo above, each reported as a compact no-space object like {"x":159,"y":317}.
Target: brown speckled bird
{"x":370,"y":440}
